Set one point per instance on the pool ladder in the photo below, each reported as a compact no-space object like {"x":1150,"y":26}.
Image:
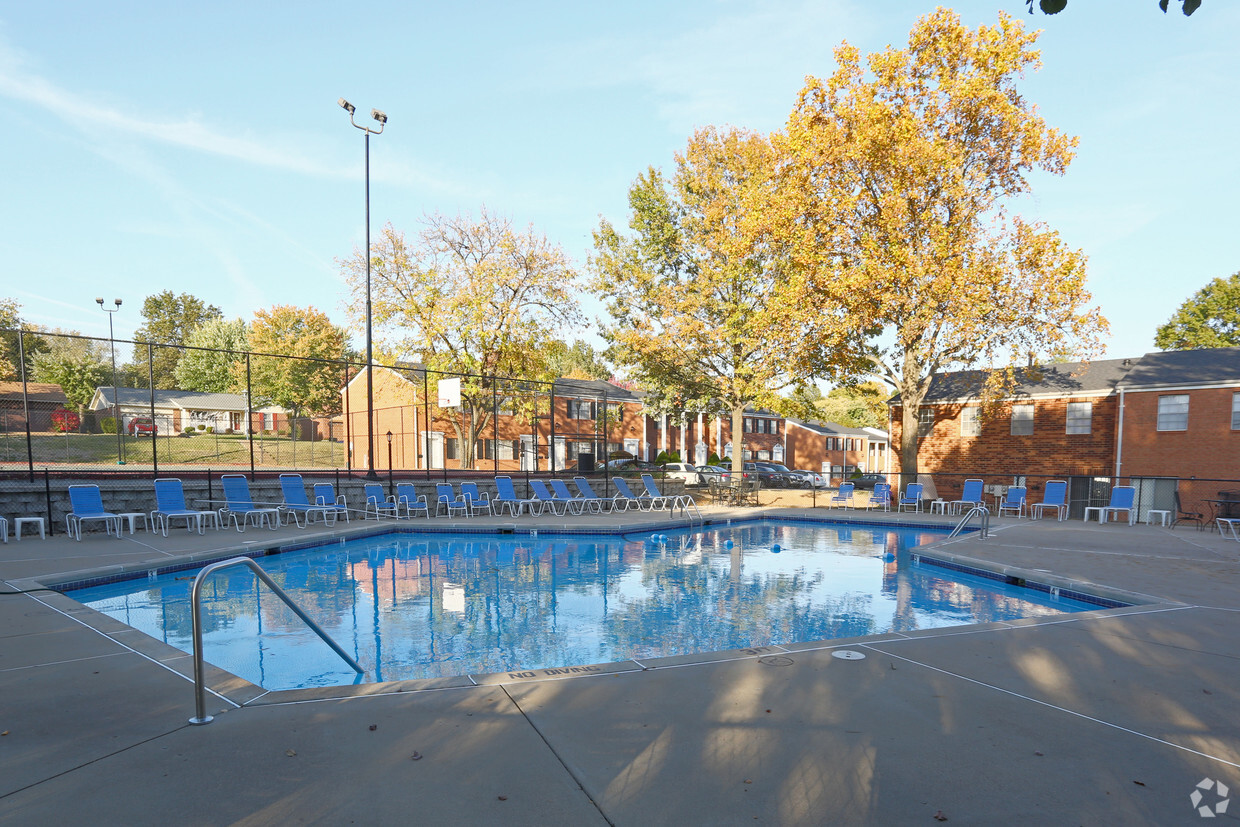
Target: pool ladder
{"x":981,"y":511}
{"x":200,"y":703}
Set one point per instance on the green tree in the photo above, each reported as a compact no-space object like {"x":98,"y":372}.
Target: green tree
{"x":577,"y":361}
{"x":856,"y":406}
{"x":298,"y":359}
{"x":169,"y":319}
{"x":214,"y":370}
{"x":701,"y":311}
{"x":10,"y":349}
{"x":1209,"y":318}
{"x":472,"y":296}
{"x":895,"y":200}
{"x":79,"y":365}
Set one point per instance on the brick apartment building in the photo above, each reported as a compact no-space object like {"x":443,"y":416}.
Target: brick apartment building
{"x":1167,"y":422}
{"x":569,"y":415}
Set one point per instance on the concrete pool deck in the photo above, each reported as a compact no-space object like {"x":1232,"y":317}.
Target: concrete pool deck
{"x":1108,"y":717}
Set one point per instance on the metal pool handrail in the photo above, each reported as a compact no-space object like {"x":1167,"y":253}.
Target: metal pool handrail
{"x":200,"y":704}
{"x":980,"y":510}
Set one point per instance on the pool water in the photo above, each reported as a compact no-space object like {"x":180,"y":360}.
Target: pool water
{"x":420,"y":606}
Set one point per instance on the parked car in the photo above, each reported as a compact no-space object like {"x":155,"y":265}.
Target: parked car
{"x":684,"y":471}
{"x":767,"y":475}
{"x":866,"y":482}
{"x":816,"y":479}
{"x":142,"y":426}
{"x":715,"y":473}
{"x":635,"y":465}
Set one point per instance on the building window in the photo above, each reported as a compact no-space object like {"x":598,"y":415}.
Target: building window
{"x":970,"y":422}
{"x":580,"y":409}
{"x":1022,"y":420}
{"x":488,"y":449}
{"x":1235,"y":411}
{"x":925,"y":421}
{"x":747,"y":425}
{"x":1080,"y":417}
{"x":764,"y":456}
{"x":1173,"y":412}
{"x":449,"y":448}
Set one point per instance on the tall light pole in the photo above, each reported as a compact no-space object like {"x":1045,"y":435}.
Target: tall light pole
{"x":116,"y":399}
{"x":381,"y":119}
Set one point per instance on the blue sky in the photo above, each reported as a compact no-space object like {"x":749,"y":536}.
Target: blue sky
{"x":147,"y":147}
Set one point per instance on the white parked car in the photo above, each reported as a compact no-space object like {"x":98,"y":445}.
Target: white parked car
{"x":816,"y":479}
{"x":684,"y":471}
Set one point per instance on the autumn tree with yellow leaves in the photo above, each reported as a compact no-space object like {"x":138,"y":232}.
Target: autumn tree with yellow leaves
{"x":895,"y":203}
{"x":701,"y":305}
{"x":473,"y":296}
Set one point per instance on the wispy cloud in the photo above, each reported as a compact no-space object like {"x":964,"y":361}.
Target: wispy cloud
{"x":749,"y":59}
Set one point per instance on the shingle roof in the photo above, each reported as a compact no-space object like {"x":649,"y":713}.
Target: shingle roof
{"x":35,"y":391}
{"x":836,"y":429}
{"x":190,"y":400}
{"x":1065,"y":378}
{"x":1208,"y":366}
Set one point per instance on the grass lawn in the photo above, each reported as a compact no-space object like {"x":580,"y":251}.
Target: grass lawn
{"x":201,"y":449}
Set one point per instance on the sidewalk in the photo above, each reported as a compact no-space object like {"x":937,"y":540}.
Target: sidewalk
{"x":1112,"y":717}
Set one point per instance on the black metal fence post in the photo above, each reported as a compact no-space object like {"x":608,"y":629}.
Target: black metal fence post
{"x":47,"y":498}
{"x":426,"y":410}
{"x":21,"y":357}
{"x":551,"y":441}
{"x":150,"y":383}
{"x":249,"y":413}
{"x":495,"y":423}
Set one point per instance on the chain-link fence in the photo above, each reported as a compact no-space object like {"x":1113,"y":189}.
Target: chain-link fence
{"x":169,"y":409}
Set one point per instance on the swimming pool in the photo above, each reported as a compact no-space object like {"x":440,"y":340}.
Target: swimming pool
{"x":434,"y":605}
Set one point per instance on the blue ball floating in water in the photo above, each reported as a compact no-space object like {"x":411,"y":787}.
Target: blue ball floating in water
{"x":654,"y":538}
{"x":662,"y":538}
{"x":775,"y":549}
{"x":727,"y":544}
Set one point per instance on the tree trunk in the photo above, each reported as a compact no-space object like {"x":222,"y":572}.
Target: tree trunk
{"x":910,"y":402}
{"x":738,"y":454}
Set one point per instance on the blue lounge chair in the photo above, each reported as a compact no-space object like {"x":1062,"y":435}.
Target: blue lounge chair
{"x":170,"y":505}
{"x":971,"y":497}
{"x":593,"y":501}
{"x":86,"y":504}
{"x":506,"y":497}
{"x":407,"y":497}
{"x":1053,"y":497}
{"x":1013,"y":500}
{"x":295,"y":502}
{"x":562,"y":494}
{"x":911,"y":499}
{"x":325,"y":494}
{"x":379,"y":503}
{"x":881,"y":496}
{"x":238,"y":503}
{"x":547,"y":499}
{"x":625,"y":495}
{"x":673,"y":501}
{"x":448,"y":500}
{"x":843,"y":497}
{"x":1122,"y":497}
{"x":476,"y":502}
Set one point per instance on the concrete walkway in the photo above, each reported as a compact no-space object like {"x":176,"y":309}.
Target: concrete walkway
{"x":1103,"y":718}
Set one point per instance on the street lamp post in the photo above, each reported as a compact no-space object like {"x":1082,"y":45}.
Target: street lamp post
{"x":391,"y":487}
{"x":116,"y":400}
{"x":381,"y":119}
